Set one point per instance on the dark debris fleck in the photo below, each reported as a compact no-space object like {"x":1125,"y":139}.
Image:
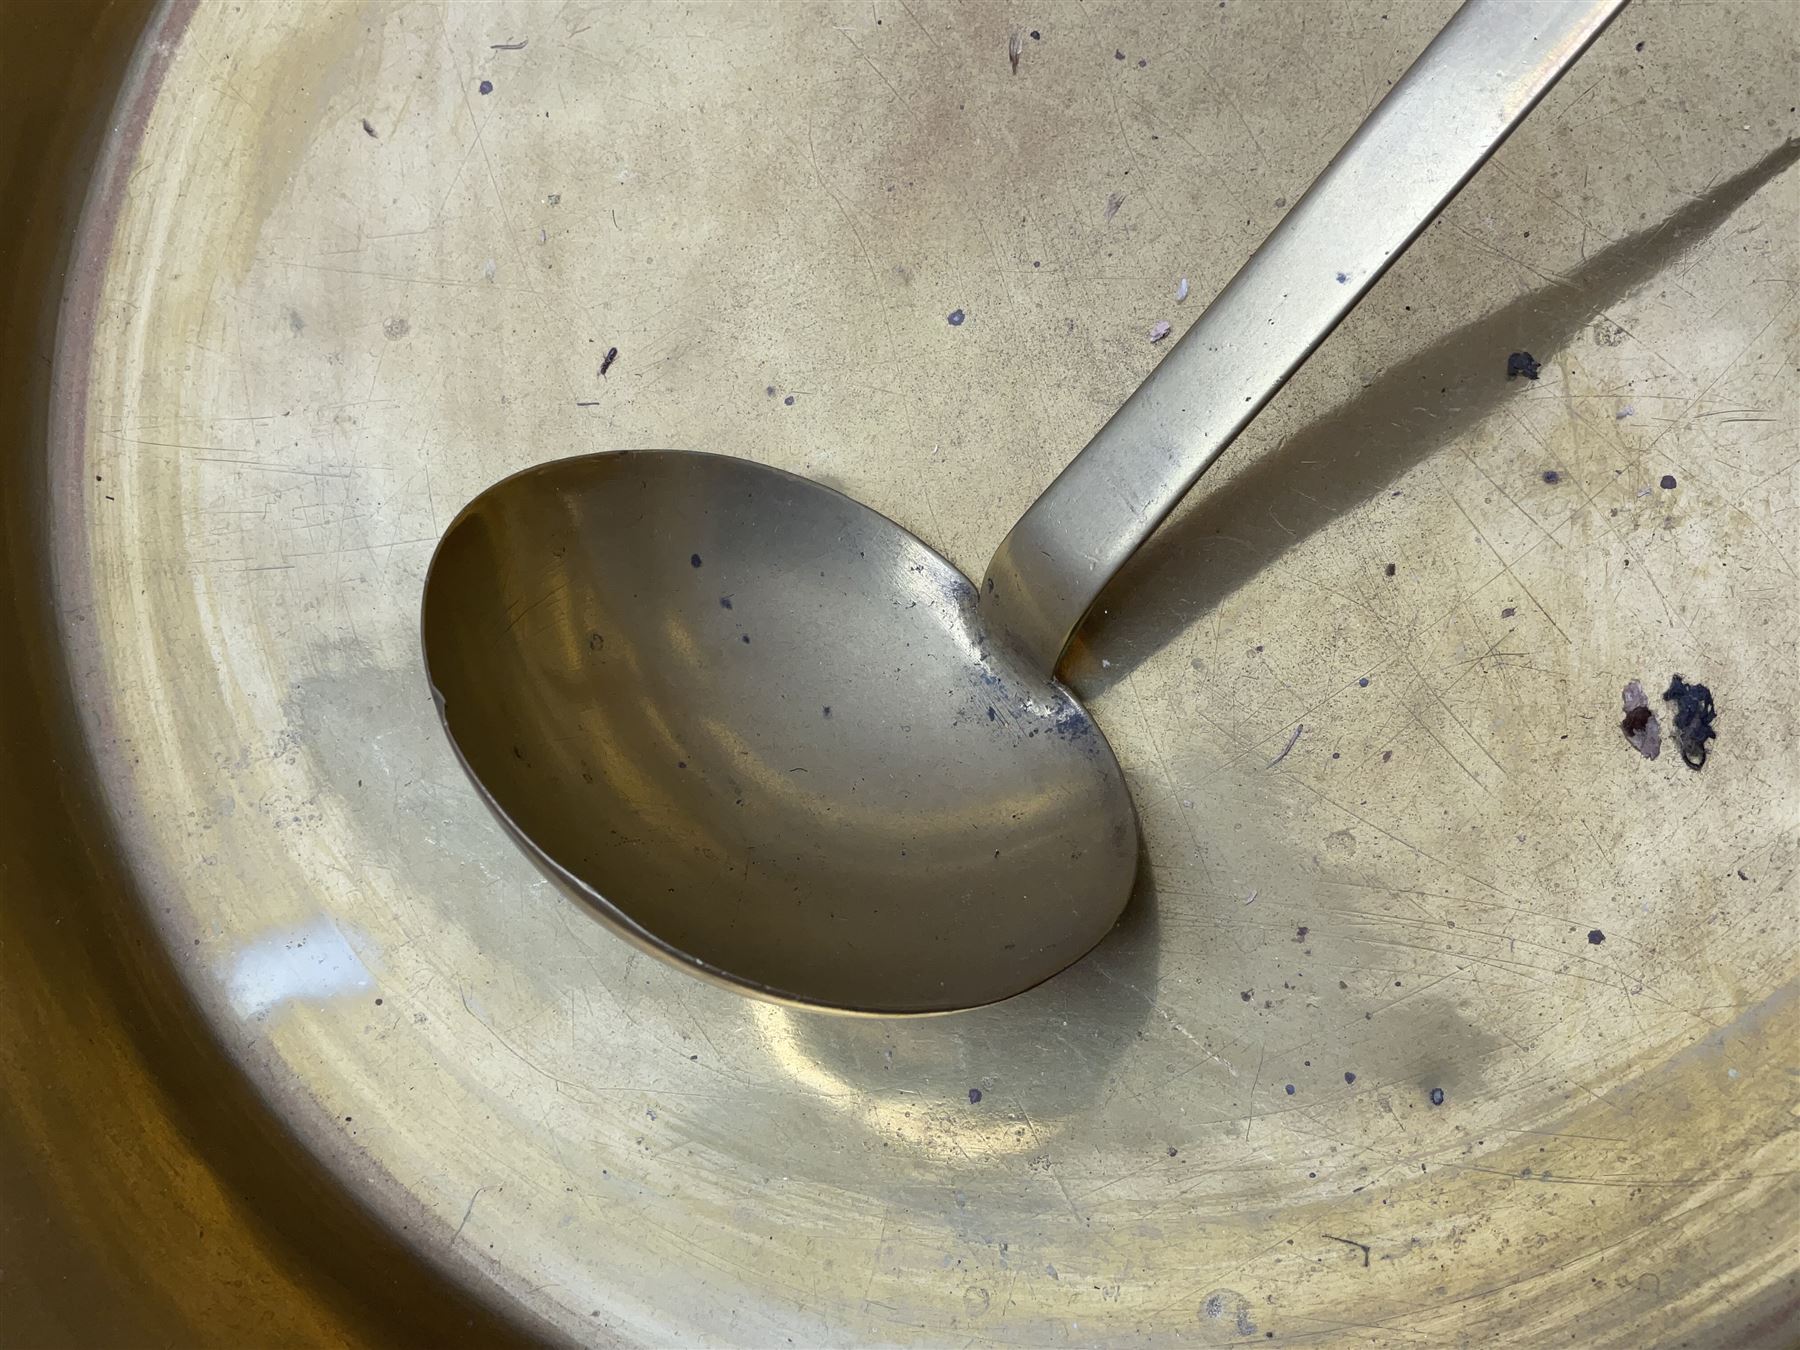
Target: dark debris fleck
{"x":1694,"y":713}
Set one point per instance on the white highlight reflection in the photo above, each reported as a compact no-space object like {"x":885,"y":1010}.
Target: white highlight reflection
{"x":310,"y":962}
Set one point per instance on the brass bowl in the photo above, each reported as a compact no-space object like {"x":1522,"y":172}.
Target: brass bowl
{"x":1448,"y":1017}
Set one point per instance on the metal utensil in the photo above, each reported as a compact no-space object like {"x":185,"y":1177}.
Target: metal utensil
{"x":768,"y":734}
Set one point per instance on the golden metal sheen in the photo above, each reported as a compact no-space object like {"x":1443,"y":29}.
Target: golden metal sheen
{"x":301,"y":1050}
{"x":770,"y":735}
{"x":148,"y":1194}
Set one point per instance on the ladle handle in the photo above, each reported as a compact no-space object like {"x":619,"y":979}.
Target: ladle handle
{"x":1476,"y":81}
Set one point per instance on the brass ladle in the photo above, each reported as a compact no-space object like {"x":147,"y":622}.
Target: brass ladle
{"x":766,"y":733}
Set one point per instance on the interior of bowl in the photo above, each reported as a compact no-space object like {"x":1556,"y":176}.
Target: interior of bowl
{"x":1443,"y":1009}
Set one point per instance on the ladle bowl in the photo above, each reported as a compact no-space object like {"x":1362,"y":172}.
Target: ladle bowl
{"x":760,"y":729}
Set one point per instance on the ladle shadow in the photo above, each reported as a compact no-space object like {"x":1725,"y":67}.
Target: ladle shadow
{"x":1200,"y":558}
{"x":1045,"y":1054}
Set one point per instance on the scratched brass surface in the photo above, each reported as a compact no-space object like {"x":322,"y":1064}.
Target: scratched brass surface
{"x":335,"y":290}
{"x":147,"y":1198}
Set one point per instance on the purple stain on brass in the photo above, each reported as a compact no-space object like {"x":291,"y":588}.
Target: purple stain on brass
{"x":1290,"y":1089}
{"x":1640,"y":725}
{"x":974,"y":1096}
{"x":1349,"y":1077}
{"x":956,"y":317}
{"x":1596,"y":937}
{"x":1668,"y":482}
{"x":694,"y":561}
{"x":1437,"y":1096}
{"x":485,"y":87}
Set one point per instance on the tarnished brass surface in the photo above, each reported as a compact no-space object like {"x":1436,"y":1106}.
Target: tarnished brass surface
{"x":310,"y":339}
{"x":1435,"y":126}
{"x":960,"y":830}
{"x":146,"y":1197}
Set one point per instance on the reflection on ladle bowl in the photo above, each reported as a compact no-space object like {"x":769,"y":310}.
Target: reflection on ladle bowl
{"x":996,"y":1081}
